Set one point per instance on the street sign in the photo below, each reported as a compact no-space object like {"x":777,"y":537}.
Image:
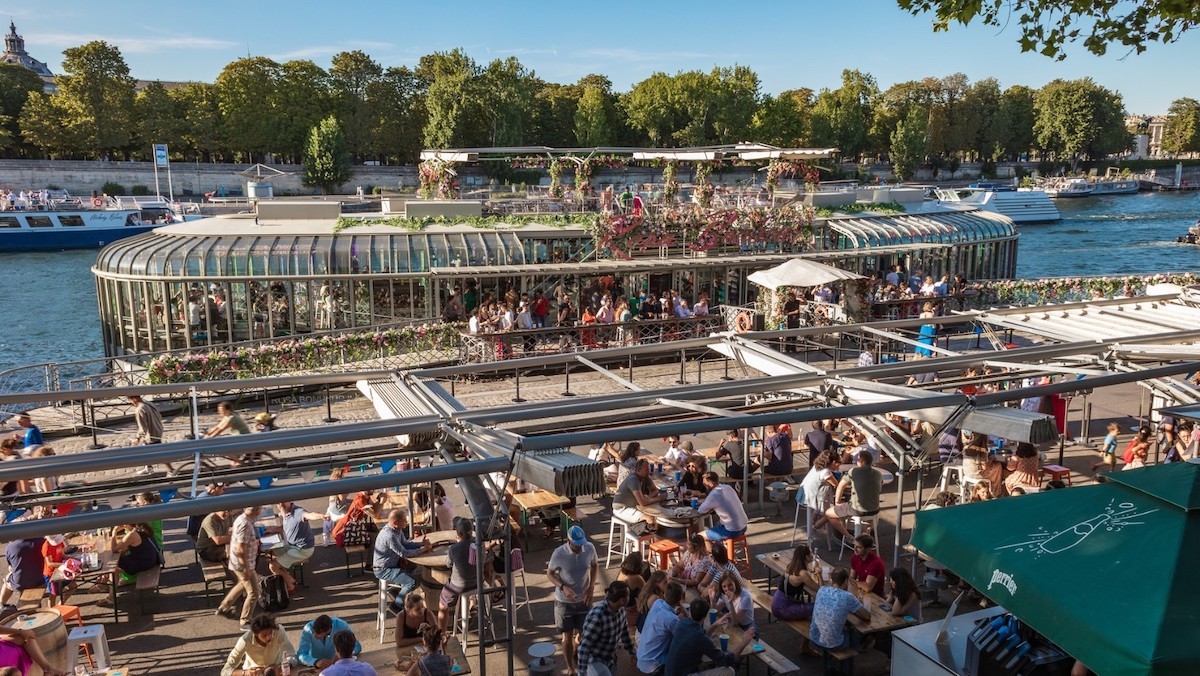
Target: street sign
{"x":160,"y":155}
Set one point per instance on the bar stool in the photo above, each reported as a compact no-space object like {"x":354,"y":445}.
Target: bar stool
{"x":664,"y":549}
{"x":516,"y":560}
{"x":92,"y":636}
{"x":71,"y":613}
{"x":860,"y":522}
{"x":735,"y":544}
{"x":616,"y":524}
{"x":947,"y":471}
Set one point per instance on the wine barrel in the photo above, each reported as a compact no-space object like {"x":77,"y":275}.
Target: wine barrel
{"x":50,"y":635}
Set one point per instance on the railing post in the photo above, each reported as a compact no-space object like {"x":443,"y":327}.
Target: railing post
{"x":517,"y":399}
{"x":567,"y":392}
{"x":195,"y":413}
{"x":95,"y":445}
{"x":700,"y":371}
{"x":726,"y":376}
{"x":631,"y":368}
{"x":682,"y":363}
{"x":328,"y":408}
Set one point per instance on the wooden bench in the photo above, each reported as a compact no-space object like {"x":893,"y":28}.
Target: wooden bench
{"x":770,"y":657}
{"x":31,"y":599}
{"x":146,"y":585}
{"x":213,"y":573}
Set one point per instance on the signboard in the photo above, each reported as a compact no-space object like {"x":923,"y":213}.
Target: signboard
{"x":160,"y":155}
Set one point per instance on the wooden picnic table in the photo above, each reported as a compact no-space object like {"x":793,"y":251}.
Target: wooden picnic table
{"x":772,"y":658}
{"x":433,"y":562}
{"x":540,"y":499}
{"x":881,"y":620}
{"x":107,"y":566}
{"x":384,"y":658}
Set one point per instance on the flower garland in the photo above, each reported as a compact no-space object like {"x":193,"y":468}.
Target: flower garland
{"x":303,"y":354}
{"x":1075,"y":289}
{"x":777,"y":169}
{"x":479,"y":222}
{"x":437,"y":179}
{"x":670,"y":182}
{"x":583,"y":178}
{"x":786,"y":228}
{"x":556,"y":186}
{"x":704,"y":190}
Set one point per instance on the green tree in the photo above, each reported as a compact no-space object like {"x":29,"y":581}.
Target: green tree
{"x":451,"y":100}
{"x":43,"y":125}
{"x":351,"y":75}
{"x":1181,"y":133}
{"x":1014,"y":121}
{"x":1048,"y":25}
{"x":200,"y":115}
{"x":326,"y":159}
{"x":16,"y":84}
{"x":592,"y":124}
{"x":908,"y":144}
{"x":95,"y":95}
{"x":693,"y":100}
{"x":649,"y":109}
{"x":509,"y":87}
{"x":246,"y":94}
{"x":737,"y":100}
{"x":1079,"y":118}
{"x":784,"y":120}
{"x":981,"y":105}
{"x":158,"y":120}
{"x":302,"y":99}
{"x":398,"y":99}
{"x":843,"y":117}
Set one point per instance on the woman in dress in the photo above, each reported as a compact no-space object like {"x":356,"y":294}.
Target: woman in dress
{"x":135,"y":548}
{"x":1024,"y":468}
{"x":978,"y":463}
{"x":793,"y":598}
{"x":928,"y":331}
{"x":694,"y":563}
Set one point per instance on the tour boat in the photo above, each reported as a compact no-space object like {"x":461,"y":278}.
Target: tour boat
{"x":1022,"y":206}
{"x":63,"y":225}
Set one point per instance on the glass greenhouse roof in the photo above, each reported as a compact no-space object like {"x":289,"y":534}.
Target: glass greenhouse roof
{"x":955,"y":227}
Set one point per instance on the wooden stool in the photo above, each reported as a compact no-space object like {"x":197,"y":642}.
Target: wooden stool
{"x":732,"y":547}
{"x":1057,"y":473}
{"x":665,"y":549}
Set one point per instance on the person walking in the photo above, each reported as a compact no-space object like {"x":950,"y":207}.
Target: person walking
{"x":573,"y":570}
{"x":604,"y":627}
{"x":243,"y":555}
{"x":149,"y":429}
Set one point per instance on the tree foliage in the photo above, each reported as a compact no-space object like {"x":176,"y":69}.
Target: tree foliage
{"x":351,"y":76}
{"x":451,"y":100}
{"x":16,"y":85}
{"x":92,"y":107}
{"x":843,"y":117}
{"x":592,"y":124}
{"x":326,"y":158}
{"x":908,"y":145}
{"x":1074,"y":118}
{"x":1181,"y":133}
{"x":158,"y":120}
{"x":1047,"y":26}
{"x":246,"y":94}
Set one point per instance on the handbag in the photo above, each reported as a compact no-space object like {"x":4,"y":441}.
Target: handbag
{"x":357,"y":532}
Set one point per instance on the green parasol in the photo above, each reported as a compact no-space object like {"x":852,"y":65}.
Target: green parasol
{"x":1107,"y":572}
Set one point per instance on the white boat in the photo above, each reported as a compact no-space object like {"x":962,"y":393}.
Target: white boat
{"x":1110,"y":186}
{"x":1022,"y":206}
{"x":73,"y":223}
{"x":1070,"y":187}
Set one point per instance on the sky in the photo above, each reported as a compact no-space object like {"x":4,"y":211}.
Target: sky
{"x":799,"y":43}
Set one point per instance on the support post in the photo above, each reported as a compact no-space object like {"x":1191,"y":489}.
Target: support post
{"x":517,"y":399}
{"x":328,"y":408}
{"x":631,"y":368}
{"x":95,"y":445}
{"x":726,"y":376}
{"x":682,"y":364}
{"x":567,"y":392}
{"x":194,"y":399}
{"x":700,"y":371}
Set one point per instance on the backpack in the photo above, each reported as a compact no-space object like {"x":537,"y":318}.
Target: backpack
{"x":272,"y":594}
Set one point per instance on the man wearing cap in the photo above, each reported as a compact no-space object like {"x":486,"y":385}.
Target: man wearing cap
{"x":573,"y":570}
{"x":32,"y":436}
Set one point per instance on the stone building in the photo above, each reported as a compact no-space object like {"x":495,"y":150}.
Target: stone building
{"x":14,"y":53}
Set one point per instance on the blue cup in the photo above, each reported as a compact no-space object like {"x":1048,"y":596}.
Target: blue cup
{"x":725,"y":642}
{"x":262,"y":530}
{"x":695,"y":503}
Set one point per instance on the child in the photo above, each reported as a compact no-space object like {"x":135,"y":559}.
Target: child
{"x":52,"y":552}
{"x":1139,"y":459}
{"x":1108,"y":454}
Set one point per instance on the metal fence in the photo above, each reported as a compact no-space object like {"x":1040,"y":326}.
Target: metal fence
{"x":489,"y":347}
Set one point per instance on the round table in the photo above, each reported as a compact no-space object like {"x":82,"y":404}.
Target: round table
{"x":542,"y":661}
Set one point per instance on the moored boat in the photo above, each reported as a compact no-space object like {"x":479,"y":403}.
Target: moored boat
{"x":71,"y":225}
{"x":1070,"y":187}
{"x":1022,"y":206}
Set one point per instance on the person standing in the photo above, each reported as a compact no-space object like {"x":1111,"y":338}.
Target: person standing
{"x":149,"y":428}
{"x":573,"y":570}
{"x":32,"y":436}
{"x":392,"y":549}
{"x":243,"y":554}
{"x":605,"y":626}
{"x":819,"y":439}
{"x":791,"y":318}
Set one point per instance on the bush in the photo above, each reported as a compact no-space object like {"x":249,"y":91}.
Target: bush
{"x":988,"y":170}
{"x":51,"y":186}
{"x":139,"y":190}
{"x":111,"y":188}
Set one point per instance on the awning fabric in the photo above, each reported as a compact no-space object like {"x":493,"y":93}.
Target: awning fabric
{"x":800,"y":272}
{"x":1107,"y":571}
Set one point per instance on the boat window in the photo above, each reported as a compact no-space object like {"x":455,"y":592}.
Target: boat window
{"x":9,"y":222}
{"x":71,"y":220}
{"x":39,"y":222}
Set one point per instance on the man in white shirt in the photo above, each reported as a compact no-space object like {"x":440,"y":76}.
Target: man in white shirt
{"x":723,"y":500}
{"x":655,"y":638}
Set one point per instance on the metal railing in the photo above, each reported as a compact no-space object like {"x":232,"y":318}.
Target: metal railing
{"x":490,"y":347}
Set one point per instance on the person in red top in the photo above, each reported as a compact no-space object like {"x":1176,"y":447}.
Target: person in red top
{"x":868,"y":568}
{"x":52,"y":551}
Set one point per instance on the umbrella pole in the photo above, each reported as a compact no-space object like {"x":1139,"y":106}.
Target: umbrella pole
{"x":899,"y":514}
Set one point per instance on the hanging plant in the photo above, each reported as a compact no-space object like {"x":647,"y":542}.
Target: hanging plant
{"x":777,"y":169}
{"x":670,"y":182}
{"x":437,"y":179}
{"x":583,"y":178}
{"x":704,"y":190}
{"x":556,"y":186}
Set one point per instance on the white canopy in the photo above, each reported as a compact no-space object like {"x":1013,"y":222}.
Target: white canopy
{"x":800,"y":272}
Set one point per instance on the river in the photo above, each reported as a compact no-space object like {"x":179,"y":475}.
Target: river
{"x":51,"y":300}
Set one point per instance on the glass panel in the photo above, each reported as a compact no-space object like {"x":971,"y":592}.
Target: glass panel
{"x":420,"y":288}
{"x":418,"y":254}
{"x":71,"y":220}
{"x":362,"y":303}
{"x":9,"y":222}
{"x":39,"y":221}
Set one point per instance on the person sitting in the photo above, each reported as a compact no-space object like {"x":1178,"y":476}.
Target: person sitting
{"x":817,"y":440}
{"x":604,"y":628}
{"x":265,"y":645}
{"x":135,"y":548}
{"x":867,"y":567}
{"x":818,"y":484}
{"x":212,"y":542}
{"x":19,"y":650}
{"x":831,"y":608}
{"x":655,"y":639}
{"x":695,"y":562}
{"x":904,"y":597}
{"x":392,"y":549}
{"x":729,"y":451}
{"x":677,"y":453}
{"x":347,"y":664}
{"x":691,"y":482}
{"x":633,"y":572}
{"x":317,"y":646}
{"x":864,"y":501}
{"x":793,"y":599}
{"x":720,"y":565}
{"x":777,"y":451}
{"x":462,"y":572}
{"x":723,"y":501}
{"x":636,"y":492}
{"x":979,"y":465}
{"x":409,"y":622}
{"x":364,"y":508}
{"x":730,"y":596}
{"x":435,"y":662}
{"x":1025,"y":468}
{"x":691,"y":644}
{"x":298,"y":543}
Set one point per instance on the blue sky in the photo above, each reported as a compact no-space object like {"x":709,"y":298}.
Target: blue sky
{"x":802,"y":43}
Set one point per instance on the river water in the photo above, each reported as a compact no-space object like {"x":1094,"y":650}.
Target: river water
{"x":50,"y":298}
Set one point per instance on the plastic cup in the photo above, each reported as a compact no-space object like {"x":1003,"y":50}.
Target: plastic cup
{"x":867,"y":603}
{"x":724,"y":641}
{"x":262,"y":530}
{"x":712,"y":616}
{"x":695,"y":503}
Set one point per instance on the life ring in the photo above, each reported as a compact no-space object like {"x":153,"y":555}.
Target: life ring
{"x":97,"y":202}
{"x":744,"y":322}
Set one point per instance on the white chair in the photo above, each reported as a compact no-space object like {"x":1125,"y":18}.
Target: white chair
{"x":462,"y":616}
{"x":948,"y":470}
{"x":381,"y":615}
{"x":808,"y":519}
{"x":517,"y":566}
{"x":615,"y":524}
{"x":91,"y":635}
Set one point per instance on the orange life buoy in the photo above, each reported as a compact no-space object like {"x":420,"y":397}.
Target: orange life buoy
{"x":97,"y":202}
{"x":744,"y":322}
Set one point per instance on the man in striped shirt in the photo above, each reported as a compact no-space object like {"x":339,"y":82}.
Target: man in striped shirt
{"x":605,"y":626}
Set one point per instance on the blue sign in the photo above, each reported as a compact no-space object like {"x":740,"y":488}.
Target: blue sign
{"x":160,"y":155}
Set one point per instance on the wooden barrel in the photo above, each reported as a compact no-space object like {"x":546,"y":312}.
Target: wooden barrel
{"x":50,"y":635}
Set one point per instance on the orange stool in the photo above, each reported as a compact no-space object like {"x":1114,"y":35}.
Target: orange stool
{"x":735,"y":545}
{"x":665,"y":549}
{"x":69,"y":613}
{"x":1058,"y":473}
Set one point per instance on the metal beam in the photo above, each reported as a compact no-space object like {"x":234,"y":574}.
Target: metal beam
{"x":904,"y":339}
{"x":700,"y":408}
{"x":1044,"y":367}
{"x":611,"y":375}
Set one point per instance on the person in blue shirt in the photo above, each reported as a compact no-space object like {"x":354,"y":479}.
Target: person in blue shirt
{"x":691,"y":643}
{"x":392,"y":549}
{"x":316,"y":647}
{"x":32,"y":435}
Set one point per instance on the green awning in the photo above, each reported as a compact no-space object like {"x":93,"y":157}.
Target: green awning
{"x":1107,"y":572}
